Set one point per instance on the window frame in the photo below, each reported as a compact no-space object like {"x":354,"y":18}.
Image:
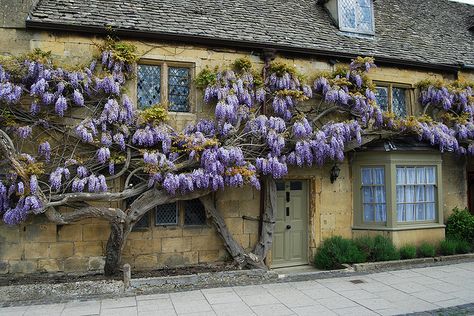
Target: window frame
{"x":374,"y":222}
{"x":177,"y":211}
{"x":391,"y":161}
{"x":409,"y":97}
{"x":355,"y":30}
{"x":436,"y":198}
{"x":164,"y":92}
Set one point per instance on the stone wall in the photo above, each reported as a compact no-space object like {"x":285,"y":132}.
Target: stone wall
{"x":38,"y":246}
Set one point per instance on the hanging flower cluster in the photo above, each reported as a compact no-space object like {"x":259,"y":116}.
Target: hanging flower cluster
{"x":457,"y":96}
{"x":351,"y":90}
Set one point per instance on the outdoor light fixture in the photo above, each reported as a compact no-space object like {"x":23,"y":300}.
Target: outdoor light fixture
{"x":335,"y":173}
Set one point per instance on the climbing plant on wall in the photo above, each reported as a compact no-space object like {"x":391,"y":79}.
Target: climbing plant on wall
{"x":68,"y":134}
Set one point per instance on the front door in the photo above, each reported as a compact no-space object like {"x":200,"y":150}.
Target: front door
{"x":290,"y":238}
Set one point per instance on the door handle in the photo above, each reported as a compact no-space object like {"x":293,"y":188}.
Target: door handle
{"x":287,"y":211}
{"x":288,"y":226}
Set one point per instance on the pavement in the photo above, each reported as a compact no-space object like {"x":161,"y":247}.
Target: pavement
{"x":441,"y":290}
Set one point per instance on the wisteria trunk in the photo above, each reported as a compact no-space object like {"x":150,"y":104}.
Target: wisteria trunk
{"x":268,"y":219}
{"x":113,"y":252}
{"x":241,"y":257}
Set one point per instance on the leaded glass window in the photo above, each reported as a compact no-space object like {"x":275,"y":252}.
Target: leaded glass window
{"x":149,"y":85}
{"x":392,"y":99}
{"x":373,"y":194}
{"x":178,"y":89}
{"x":399,"y":106}
{"x":166,"y":214}
{"x":416,"y":191}
{"x":356,"y":16}
{"x":381,"y":96}
{"x":194,"y":213}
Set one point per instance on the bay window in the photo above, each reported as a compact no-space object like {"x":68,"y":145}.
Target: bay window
{"x":397,"y":190}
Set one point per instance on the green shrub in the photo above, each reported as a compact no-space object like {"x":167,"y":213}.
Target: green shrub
{"x":408,"y":252}
{"x":426,"y":250}
{"x":448,"y":247}
{"x":463,"y":246}
{"x":460,"y":226}
{"x":366,"y":246}
{"x":378,"y":248}
{"x":384,"y":250}
{"x":335,"y":251}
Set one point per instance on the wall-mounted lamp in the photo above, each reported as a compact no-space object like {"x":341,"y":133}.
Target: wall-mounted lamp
{"x":335,"y":173}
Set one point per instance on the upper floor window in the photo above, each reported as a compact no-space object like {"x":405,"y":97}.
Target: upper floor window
{"x":164,"y":83}
{"x":392,"y":98}
{"x":356,"y":16}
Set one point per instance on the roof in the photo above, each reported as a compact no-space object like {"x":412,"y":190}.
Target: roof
{"x":432,"y":32}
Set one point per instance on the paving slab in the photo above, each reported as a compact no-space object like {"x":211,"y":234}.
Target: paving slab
{"x":440,"y":290}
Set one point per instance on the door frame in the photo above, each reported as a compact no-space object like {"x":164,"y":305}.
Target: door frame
{"x":310,"y":213}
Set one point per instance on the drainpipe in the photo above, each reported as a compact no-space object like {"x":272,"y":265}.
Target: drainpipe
{"x":268,"y":55}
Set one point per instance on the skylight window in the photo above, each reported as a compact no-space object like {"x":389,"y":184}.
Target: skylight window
{"x":356,"y":16}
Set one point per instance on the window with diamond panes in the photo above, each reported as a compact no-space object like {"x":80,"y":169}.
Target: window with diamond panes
{"x":381,"y":96}
{"x":391,"y":98}
{"x":178,"y":88}
{"x":399,"y":103}
{"x":166,"y":214}
{"x":356,"y":16}
{"x":194,"y":213}
{"x":149,"y":85}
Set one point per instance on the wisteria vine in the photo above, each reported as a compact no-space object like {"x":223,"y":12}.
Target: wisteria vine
{"x":73,"y":129}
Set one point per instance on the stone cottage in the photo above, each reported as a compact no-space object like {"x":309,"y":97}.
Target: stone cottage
{"x":410,"y":40}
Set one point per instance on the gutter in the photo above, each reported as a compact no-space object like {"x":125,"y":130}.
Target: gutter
{"x":216,"y":42}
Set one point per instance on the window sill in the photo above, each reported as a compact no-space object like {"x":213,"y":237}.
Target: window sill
{"x":189,"y":115}
{"x":401,"y":228}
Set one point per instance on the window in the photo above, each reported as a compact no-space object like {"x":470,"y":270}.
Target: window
{"x":356,"y":16}
{"x":393,"y":98}
{"x":180,"y":213}
{"x":416,"y":188}
{"x":187,"y":213}
{"x":164,"y":83}
{"x":166,"y":214}
{"x":194,"y":213}
{"x":373,"y":194}
{"x":397,"y":189}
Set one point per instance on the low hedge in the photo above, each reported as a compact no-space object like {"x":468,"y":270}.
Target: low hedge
{"x":408,"y":252}
{"x":335,"y":251}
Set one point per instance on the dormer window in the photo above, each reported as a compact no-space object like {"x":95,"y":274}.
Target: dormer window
{"x":352,"y":16}
{"x":356,"y":16}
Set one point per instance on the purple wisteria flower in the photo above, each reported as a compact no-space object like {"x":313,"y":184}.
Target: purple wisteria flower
{"x":103,"y":154}
{"x":44,"y":150}
{"x":60,"y":106}
{"x":78,"y":98}
{"x":24,"y":131}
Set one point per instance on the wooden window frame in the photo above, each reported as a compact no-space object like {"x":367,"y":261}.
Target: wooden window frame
{"x":390,"y":161}
{"x":409,"y":97}
{"x":164,"y":80}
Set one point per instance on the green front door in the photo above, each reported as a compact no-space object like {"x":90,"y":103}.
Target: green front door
{"x":290,"y":238}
